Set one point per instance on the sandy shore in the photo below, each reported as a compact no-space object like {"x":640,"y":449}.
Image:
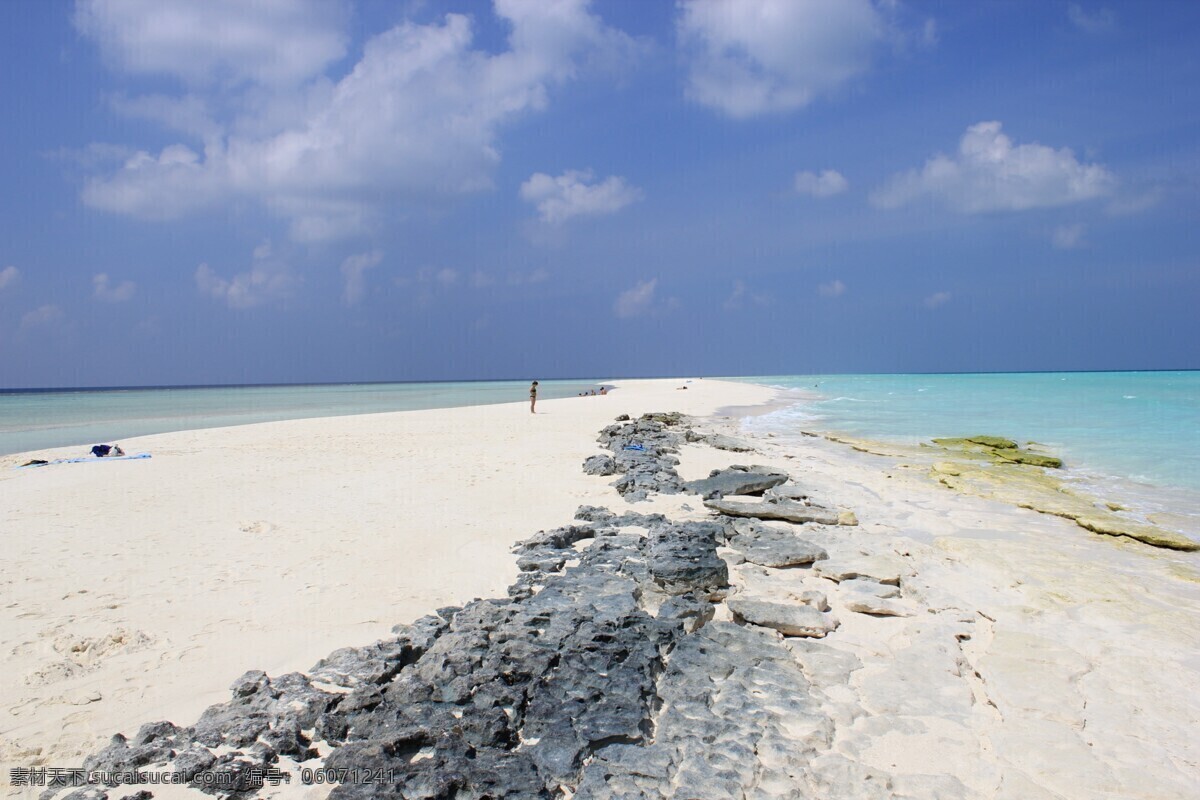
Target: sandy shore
{"x":138,"y":590}
{"x":1025,"y":658}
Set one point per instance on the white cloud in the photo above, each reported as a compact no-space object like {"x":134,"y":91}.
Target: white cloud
{"x":575,"y":194}
{"x":103,"y":289}
{"x":827,"y":184}
{"x":354,"y":271}
{"x":741,"y":297}
{"x":1100,"y":21}
{"x":42,"y":315}
{"x":225,"y":41}
{"x":1068,"y":237}
{"x":990,"y":173}
{"x":9,"y":276}
{"x":417,"y":117}
{"x":937,"y":299}
{"x":636,"y":301}
{"x":267,"y":279}
{"x":834,"y":288}
{"x":750,"y":57}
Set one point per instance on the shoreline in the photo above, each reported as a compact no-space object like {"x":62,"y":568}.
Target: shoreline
{"x":270,"y":545}
{"x":1050,"y":620}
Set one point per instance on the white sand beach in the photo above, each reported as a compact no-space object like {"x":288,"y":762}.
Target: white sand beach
{"x":138,"y":590}
{"x":1022,"y":656}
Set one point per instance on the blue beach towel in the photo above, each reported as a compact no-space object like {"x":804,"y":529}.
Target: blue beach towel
{"x":634,"y":447}
{"x":84,"y":460}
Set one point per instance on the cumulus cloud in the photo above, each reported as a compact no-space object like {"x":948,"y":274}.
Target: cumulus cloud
{"x":1068,"y":237}
{"x":1099,"y":21}
{"x":267,"y":279}
{"x":827,"y":184}
{"x":227,"y":41}
{"x":750,"y":57}
{"x":9,"y":276}
{"x":937,"y":299}
{"x":990,"y":173}
{"x":834,"y":288}
{"x":417,"y":117}
{"x":354,"y":271}
{"x":40,"y":316}
{"x":104,"y":289}
{"x":575,"y":194}
{"x":636,"y":301}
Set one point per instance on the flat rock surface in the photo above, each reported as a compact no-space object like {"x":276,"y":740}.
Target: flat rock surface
{"x":772,"y":547}
{"x":786,"y":510}
{"x":738,"y":480}
{"x":879,"y":567}
{"x":790,"y":619}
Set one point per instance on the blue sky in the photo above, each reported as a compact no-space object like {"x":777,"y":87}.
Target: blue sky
{"x":214,"y":191}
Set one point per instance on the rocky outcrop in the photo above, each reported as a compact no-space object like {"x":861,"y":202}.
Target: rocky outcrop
{"x":770,"y":546}
{"x":643,"y":454}
{"x":737,"y":480}
{"x":600,"y":465}
{"x":785,"y":510}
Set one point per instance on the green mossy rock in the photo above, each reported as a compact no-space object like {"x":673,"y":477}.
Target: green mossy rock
{"x":1032,"y":459}
{"x":1142,"y":533}
{"x":997,"y":442}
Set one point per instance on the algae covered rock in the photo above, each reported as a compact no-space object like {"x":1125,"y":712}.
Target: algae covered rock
{"x":999,"y":449}
{"x":1032,"y":459}
{"x":998,"y":442}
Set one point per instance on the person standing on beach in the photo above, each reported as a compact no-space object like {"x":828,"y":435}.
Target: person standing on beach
{"x":532,"y":397}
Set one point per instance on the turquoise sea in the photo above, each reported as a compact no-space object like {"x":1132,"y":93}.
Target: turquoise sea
{"x":37,"y":419}
{"x":1135,"y":434}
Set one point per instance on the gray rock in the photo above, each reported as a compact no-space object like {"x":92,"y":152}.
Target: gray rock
{"x":786,"y":510}
{"x":790,"y":619}
{"x":771,"y":547}
{"x":737,"y":480}
{"x":600,"y":465}
{"x":723,"y":442}
{"x":683,"y":558}
{"x":788,"y":492}
{"x":642,"y":455}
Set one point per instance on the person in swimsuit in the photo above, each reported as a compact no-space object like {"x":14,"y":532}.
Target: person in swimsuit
{"x":532,"y":397}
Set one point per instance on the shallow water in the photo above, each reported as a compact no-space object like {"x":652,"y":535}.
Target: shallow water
{"x":34,"y":420}
{"x":1128,"y":435}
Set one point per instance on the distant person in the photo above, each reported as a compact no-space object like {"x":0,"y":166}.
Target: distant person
{"x":603,"y":390}
{"x":532,"y":397}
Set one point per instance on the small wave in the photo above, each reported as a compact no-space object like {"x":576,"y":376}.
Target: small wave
{"x":1129,"y":396}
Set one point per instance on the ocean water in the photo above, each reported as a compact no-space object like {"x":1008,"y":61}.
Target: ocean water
{"x":35,"y":419}
{"x":1133,"y":433}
